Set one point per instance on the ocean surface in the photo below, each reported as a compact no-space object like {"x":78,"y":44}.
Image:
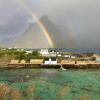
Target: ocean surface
{"x":49,"y":84}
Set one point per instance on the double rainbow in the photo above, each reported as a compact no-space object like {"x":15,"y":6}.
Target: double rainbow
{"x":42,"y":27}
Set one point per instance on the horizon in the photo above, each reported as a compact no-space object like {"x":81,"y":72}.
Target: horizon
{"x":71,"y":50}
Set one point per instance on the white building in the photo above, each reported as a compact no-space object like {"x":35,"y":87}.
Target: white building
{"x":47,"y":53}
{"x":59,"y":55}
{"x":28,"y":51}
{"x":97,"y":57}
{"x":73,"y":57}
{"x":50,"y":61}
{"x":53,"y":52}
{"x":70,"y":56}
{"x":67,"y":56}
{"x":44,"y":52}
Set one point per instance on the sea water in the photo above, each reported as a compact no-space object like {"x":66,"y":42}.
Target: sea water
{"x":53,"y":84}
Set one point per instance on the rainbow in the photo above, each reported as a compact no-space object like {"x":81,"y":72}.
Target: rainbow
{"x":42,"y":27}
{"x":45,"y":31}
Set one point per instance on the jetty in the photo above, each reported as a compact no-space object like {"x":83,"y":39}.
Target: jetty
{"x":41,"y":63}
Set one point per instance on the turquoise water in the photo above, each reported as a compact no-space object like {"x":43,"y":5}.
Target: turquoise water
{"x":53,"y":84}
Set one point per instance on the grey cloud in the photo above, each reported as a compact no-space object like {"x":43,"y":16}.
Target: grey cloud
{"x":79,"y":17}
{"x":83,"y":15}
{"x":13,"y":18}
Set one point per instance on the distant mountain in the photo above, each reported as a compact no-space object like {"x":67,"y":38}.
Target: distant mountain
{"x":33,"y":36}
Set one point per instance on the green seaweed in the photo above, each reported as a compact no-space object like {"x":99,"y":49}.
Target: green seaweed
{"x":53,"y":84}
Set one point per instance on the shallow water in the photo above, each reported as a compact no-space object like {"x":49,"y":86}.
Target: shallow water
{"x":53,"y":84}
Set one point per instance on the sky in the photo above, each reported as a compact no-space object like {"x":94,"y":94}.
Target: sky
{"x":81,"y":17}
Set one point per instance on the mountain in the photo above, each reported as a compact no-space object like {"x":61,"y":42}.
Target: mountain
{"x":33,"y":36}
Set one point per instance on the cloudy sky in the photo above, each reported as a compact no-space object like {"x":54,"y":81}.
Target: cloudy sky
{"x":81,"y":17}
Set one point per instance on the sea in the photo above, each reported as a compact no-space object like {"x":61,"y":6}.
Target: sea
{"x":49,"y":84}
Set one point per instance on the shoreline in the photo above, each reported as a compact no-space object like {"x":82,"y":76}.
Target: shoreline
{"x":89,"y":66}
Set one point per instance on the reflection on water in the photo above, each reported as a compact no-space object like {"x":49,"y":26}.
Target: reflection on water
{"x":51,"y":84}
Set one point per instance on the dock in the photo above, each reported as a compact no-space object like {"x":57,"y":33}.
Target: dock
{"x":67,"y":66}
{"x":64,"y":63}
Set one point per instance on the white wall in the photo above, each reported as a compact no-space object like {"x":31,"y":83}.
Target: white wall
{"x":50,"y":62}
{"x":97,"y":59}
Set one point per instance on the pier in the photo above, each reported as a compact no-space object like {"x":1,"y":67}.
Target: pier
{"x":39,"y":63}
